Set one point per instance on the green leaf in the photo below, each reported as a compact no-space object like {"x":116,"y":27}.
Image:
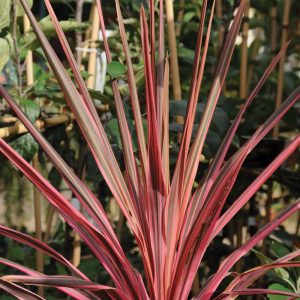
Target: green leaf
{"x":4,"y":52}
{"x":254,"y":23}
{"x":220,"y":118}
{"x":113,"y":133}
{"x":277,"y":248}
{"x":90,"y":268}
{"x":30,"y":40}
{"x":115,"y":69}
{"x":99,"y":96}
{"x":186,"y":54}
{"x":26,"y":146}
{"x":30,"y":108}
{"x":54,"y":178}
{"x":5,"y":14}
{"x":278,"y":272}
{"x":278,"y":287}
{"x":20,"y":10}
{"x":16,"y":253}
{"x":189,"y":16}
{"x":60,"y":269}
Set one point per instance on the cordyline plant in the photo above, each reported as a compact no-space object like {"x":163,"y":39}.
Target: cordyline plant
{"x":173,"y":224}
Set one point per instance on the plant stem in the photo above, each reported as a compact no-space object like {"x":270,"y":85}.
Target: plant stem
{"x":19,"y":128}
{"x":35,"y":163}
{"x":16,"y":48}
{"x":78,"y":17}
{"x":175,"y":76}
{"x":280,"y":83}
{"x":76,"y":257}
{"x":274,"y":27}
{"x":49,"y":224}
{"x":81,"y":170}
{"x":38,"y":224}
{"x":180,"y":17}
{"x":221,"y":31}
{"x":244,"y":56}
{"x":253,"y":55}
{"x":93,"y":54}
{"x":29,"y":57}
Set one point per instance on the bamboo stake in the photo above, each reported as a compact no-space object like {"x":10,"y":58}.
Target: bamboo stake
{"x":253,"y":55}
{"x":284,"y":37}
{"x":175,"y":76}
{"x":87,"y":35}
{"x":19,"y":128}
{"x":244,"y":56}
{"x":180,"y":17}
{"x":78,"y":17}
{"x":221,"y":31}
{"x":35,"y":164}
{"x":239,"y":242}
{"x":274,"y":27}
{"x":76,"y":256}
{"x":196,"y":285}
{"x":50,"y":219}
{"x":38,"y":221}
{"x":29,"y":57}
{"x":267,"y":218}
{"x":81,"y":173}
{"x":93,"y":54}
{"x":8,"y":119}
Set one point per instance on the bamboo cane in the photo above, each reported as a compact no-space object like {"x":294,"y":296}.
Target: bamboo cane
{"x":86,"y":42}
{"x":76,"y":257}
{"x":221,"y":34}
{"x":38,"y":223}
{"x":93,"y":54}
{"x":18,"y":128}
{"x":180,"y":17}
{"x":8,"y":119}
{"x":221,"y":31}
{"x":284,"y":37}
{"x":29,"y":57}
{"x":196,"y":285}
{"x":35,"y":163}
{"x":78,"y":17}
{"x":50,"y":219}
{"x":239,"y":241}
{"x":244,"y":56}
{"x":274,"y":27}
{"x":175,"y":76}
{"x":273,"y":39}
{"x":253,"y":55}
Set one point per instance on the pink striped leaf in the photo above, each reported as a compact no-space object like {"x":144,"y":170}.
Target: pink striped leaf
{"x":253,"y":187}
{"x":204,"y":186}
{"x":56,"y":280}
{"x":155,"y":179}
{"x":126,"y":138}
{"x":256,"y":292}
{"x":221,"y":188}
{"x":95,"y":136}
{"x":111,"y":259}
{"x":87,"y":199}
{"x":78,"y":295}
{"x":38,"y":245}
{"x":18,"y":291}
{"x":247,"y":278}
{"x":133,"y":94}
{"x":211,"y":286}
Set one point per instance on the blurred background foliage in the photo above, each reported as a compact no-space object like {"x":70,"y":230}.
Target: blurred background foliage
{"x":43,"y":100}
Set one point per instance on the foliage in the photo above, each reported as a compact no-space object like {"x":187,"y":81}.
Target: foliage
{"x":173,"y":221}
